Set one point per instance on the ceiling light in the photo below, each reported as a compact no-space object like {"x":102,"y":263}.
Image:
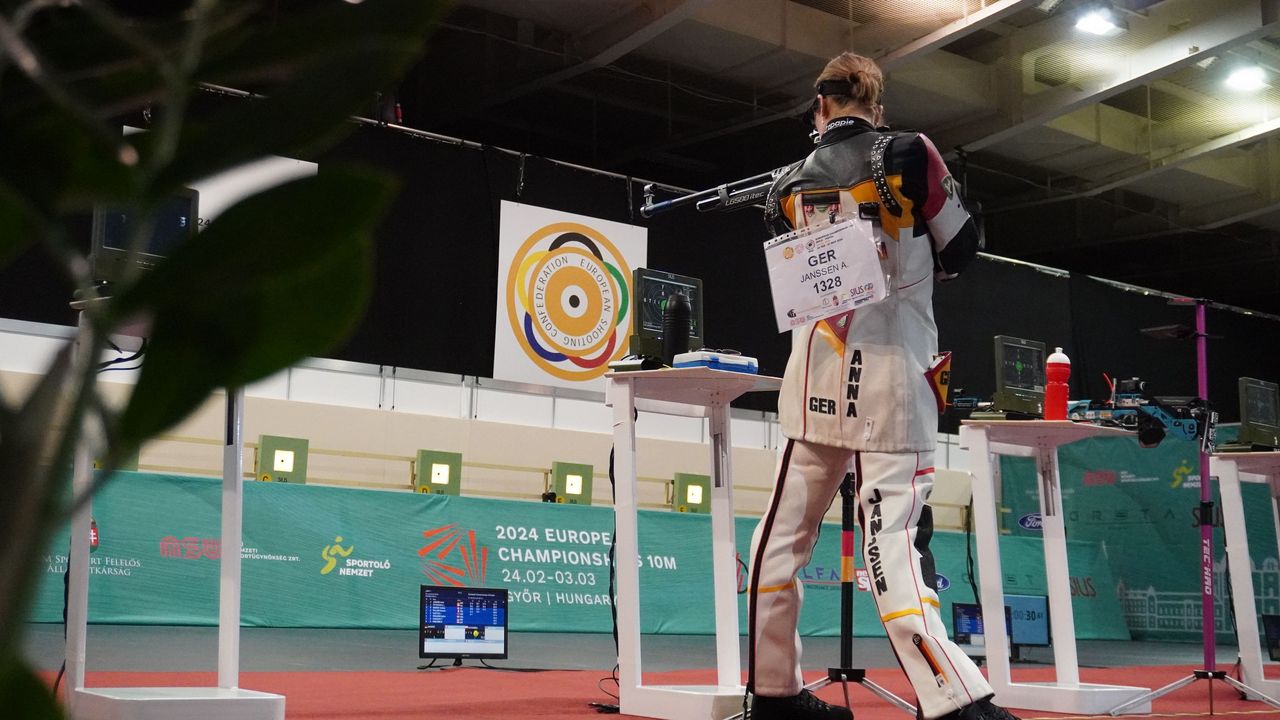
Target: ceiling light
{"x":1101,"y":21}
{"x":1048,"y":6}
{"x":1250,"y":78}
{"x":1207,"y":62}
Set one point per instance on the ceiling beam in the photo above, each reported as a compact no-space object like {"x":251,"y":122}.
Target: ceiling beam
{"x":1225,"y":25}
{"x":949,"y":33}
{"x":1264,"y":198}
{"x":1182,"y":157}
{"x":603,"y":46}
{"x":915,"y":49}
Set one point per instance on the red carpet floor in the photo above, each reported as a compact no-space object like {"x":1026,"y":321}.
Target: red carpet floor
{"x":474,"y":693}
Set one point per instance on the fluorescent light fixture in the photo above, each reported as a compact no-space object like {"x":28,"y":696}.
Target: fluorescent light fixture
{"x":693,"y":495}
{"x":1206,"y":63}
{"x":1250,"y":78}
{"x":1048,"y":6}
{"x":283,"y":461}
{"x":1101,"y":21}
{"x":439,"y":474}
{"x":573,"y":484}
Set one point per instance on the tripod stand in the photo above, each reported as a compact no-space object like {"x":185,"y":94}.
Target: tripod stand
{"x":1209,"y":671}
{"x":845,"y":673}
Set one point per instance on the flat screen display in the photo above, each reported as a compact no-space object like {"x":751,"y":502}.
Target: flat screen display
{"x":1029,"y":620}
{"x":1259,"y":402}
{"x":967,"y":627}
{"x":1022,"y":367}
{"x":462,"y":622}
{"x":171,"y":224}
{"x":1271,"y":631}
{"x":652,"y":289}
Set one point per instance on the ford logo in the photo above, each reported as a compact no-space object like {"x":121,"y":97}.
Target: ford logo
{"x":943,"y":582}
{"x":1030,"y":521}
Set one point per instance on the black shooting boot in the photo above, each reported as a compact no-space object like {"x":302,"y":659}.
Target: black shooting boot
{"x":983,"y":709}
{"x":804,"y":706}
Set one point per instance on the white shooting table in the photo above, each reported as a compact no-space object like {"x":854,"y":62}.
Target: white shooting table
{"x":688,"y":392}
{"x":227,"y":701}
{"x":1231,"y":469}
{"x":1039,"y":439}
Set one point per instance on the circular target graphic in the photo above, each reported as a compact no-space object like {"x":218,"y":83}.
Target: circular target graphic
{"x":567,"y":298}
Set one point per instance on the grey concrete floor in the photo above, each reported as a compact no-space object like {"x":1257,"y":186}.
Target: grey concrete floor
{"x":168,"y":648}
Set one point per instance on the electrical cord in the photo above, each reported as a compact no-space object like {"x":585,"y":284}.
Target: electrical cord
{"x":487,"y":666}
{"x":613,"y":676}
{"x":114,"y":363}
{"x":968,"y":552}
{"x":613,"y":605}
{"x":607,"y":708}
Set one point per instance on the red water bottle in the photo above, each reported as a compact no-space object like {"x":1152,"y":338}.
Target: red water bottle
{"x":1058,"y":371}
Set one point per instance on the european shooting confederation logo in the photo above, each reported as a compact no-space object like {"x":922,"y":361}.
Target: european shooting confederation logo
{"x":567,"y":297}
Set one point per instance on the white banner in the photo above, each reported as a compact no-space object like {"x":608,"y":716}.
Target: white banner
{"x":564,"y":295}
{"x":819,"y":271}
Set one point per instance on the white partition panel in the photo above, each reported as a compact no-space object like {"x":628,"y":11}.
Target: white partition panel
{"x":513,"y":407}
{"x":664,"y":427}
{"x":425,"y":397}
{"x":581,"y":415}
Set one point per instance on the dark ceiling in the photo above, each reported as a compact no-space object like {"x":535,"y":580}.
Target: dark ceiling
{"x":510,"y":78}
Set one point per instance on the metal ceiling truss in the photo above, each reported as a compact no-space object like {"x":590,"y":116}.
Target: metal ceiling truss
{"x":1222,"y":25}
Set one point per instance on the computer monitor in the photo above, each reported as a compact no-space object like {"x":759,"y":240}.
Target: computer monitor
{"x":1029,"y":620}
{"x":1271,"y":631}
{"x":173,"y":222}
{"x":1019,"y":376}
{"x":459,"y":622}
{"x":1259,"y":413}
{"x":967,"y":627}
{"x":650,"y":289}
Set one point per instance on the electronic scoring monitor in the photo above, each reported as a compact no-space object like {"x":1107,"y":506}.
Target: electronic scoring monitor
{"x":1259,"y":413}
{"x":1026,"y":623}
{"x":459,"y":622}
{"x":1020,"y":378}
{"x":650,"y":289}
{"x":967,"y":627}
{"x":172,"y":223}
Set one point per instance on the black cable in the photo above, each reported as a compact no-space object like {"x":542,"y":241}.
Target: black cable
{"x":61,"y":671}
{"x":613,"y":677}
{"x":110,"y":364}
{"x":968,"y":551}
{"x":429,"y":665}
{"x":487,"y":666}
{"x":613,"y":601}
{"x":613,"y":604}
{"x":114,"y":369}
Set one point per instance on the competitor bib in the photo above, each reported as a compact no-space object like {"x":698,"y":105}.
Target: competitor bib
{"x":819,"y":271}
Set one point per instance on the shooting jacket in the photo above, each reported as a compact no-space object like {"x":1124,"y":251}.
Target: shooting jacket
{"x":862,"y":380}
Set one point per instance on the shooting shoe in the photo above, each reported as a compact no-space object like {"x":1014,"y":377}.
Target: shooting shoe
{"x":983,"y":709}
{"x":804,"y":706}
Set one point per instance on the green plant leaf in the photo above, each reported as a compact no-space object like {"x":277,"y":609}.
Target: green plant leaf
{"x":23,"y":695}
{"x":58,"y":163}
{"x":28,"y":484}
{"x":18,"y":226}
{"x":280,"y":276}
